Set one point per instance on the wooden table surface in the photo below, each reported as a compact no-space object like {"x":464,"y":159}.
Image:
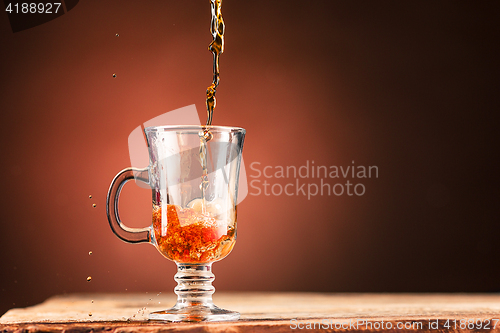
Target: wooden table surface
{"x":264,"y":312}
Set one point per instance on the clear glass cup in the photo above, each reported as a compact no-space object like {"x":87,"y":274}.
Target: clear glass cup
{"x":193,"y":173}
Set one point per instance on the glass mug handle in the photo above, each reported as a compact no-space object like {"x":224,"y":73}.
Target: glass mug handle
{"x":130,"y":235}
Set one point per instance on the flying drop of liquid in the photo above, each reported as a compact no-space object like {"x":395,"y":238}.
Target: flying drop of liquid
{"x":94,"y":205}
{"x":90,"y":253}
{"x":117,"y":35}
{"x":114,"y":75}
{"x":90,"y":314}
{"x":90,"y":196}
{"x":89,"y":279}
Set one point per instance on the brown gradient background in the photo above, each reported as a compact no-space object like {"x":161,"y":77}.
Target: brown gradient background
{"x":411,"y":87}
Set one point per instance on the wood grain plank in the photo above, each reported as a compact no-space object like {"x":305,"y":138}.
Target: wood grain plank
{"x":260,"y":312}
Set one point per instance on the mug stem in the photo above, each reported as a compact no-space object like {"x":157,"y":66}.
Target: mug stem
{"x":194,"y":284}
{"x":194,"y":297}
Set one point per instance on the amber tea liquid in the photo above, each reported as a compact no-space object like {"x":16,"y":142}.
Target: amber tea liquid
{"x":189,"y":236}
{"x":216,"y":47}
{"x":193,"y":234}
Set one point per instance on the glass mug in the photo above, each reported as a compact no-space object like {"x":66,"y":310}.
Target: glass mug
{"x":193,"y":173}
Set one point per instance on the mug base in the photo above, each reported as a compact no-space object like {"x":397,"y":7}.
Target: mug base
{"x":194,"y":313}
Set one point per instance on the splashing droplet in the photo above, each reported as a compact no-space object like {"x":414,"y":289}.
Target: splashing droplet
{"x":89,"y":279}
{"x":92,"y":301}
{"x":90,"y":253}
{"x":90,"y":196}
{"x":117,"y":35}
{"x":90,"y":314}
{"x":94,"y":205}
{"x":114,"y":75}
